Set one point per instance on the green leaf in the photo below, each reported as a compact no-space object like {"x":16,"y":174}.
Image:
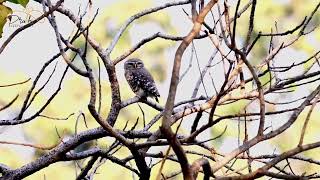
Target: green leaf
{"x":4,"y":12}
{"x":21,"y":2}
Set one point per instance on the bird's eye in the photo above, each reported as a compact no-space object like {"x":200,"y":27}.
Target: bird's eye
{"x":139,"y":64}
{"x":130,"y":64}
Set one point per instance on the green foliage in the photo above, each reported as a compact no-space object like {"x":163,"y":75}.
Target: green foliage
{"x":4,"y":12}
{"x":6,"y":157}
{"x":309,"y":64}
{"x":8,"y":93}
{"x":234,"y":108}
{"x":21,"y":2}
{"x":265,"y":78}
{"x":55,"y":171}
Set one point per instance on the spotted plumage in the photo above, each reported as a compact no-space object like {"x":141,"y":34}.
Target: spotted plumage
{"x":140,"y":80}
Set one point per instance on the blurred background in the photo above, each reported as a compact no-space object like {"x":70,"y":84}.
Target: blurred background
{"x":26,"y":54}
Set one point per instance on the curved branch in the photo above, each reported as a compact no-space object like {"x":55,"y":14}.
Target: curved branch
{"x":10,"y":103}
{"x":137,"y":16}
{"x":166,"y":125}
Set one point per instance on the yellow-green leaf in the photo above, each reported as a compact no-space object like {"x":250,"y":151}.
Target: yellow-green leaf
{"x":21,"y":2}
{"x":4,"y":12}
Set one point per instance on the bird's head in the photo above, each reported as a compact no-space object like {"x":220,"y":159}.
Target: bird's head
{"x":134,"y":63}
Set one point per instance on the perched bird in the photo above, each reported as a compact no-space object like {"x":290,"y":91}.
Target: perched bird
{"x":140,"y":80}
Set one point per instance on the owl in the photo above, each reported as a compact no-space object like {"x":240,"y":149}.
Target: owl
{"x":139,"y":79}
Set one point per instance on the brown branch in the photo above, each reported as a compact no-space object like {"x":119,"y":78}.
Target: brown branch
{"x":303,"y":131}
{"x":269,"y":135}
{"x":251,"y":24}
{"x":137,"y":16}
{"x":264,"y":170}
{"x":10,"y":103}
{"x":205,"y":165}
{"x":233,"y":35}
{"x":166,"y":125}
{"x":59,"y":38}
{"x":149,"y":39}
{"x":14,"y":84}
{"x":259,"y":87}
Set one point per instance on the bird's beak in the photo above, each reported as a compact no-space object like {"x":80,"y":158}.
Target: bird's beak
{"x":135,"y":65}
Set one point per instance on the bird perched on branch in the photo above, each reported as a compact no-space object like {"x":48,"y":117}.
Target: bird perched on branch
{"x":140,"y":80}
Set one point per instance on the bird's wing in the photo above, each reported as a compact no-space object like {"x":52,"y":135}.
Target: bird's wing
{"x":147,"y":83}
